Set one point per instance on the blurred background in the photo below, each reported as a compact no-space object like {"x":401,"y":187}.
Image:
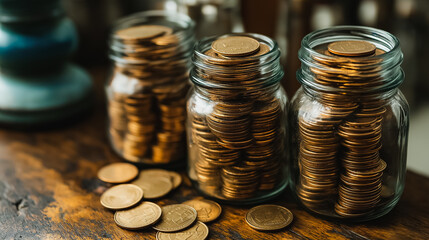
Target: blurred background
{"x":287,"y":21}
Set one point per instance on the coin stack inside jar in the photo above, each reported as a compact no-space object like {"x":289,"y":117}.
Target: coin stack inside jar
{"x":236,"y":117}
{"x":339,"y":160}
{"x":146,"y":94}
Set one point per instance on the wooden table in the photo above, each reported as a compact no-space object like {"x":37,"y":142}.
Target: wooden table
{"x":49,"y":190}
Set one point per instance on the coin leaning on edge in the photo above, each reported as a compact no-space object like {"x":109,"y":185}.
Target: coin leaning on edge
{"x":141,"y":216}
{"x":207,"y":210}
{"x":121,"y":196}
{"x":176,"y":217}
{"x":118,"y":172}
{"x":199,"y":231}
{"x":269,"y":217}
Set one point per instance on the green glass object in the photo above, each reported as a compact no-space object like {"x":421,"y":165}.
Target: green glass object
{"x":37,"y":83}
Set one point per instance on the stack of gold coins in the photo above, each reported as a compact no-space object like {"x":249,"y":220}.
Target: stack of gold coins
{"x":147,"y":90}
{"x":339,"y":161}
{"x":237,"y":128}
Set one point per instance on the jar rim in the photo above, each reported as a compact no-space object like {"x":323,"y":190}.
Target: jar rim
{"x":259,"y":63}
{"x":183,"y":28}
{"x":358,"y":31}
{"x":386,"y":64}
{"x":138,"y":17}
{"x":202,"y":45}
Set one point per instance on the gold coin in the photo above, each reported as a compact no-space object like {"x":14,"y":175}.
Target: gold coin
{"x":207,"y":210}
{"x":269,"y":217}
{"x":176,"y":217}
{"x":118,"y":173}
{"x":154,"y":187}
{"x":175,"y":177}
{"x":235,"y":46}
{"x":352,"y":48}
{"x":199,"y":231}
{"x":121,"y":196}
{"x":142,"y":32}
{"x":145,"y":214}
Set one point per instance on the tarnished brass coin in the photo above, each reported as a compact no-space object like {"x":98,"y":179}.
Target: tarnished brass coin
{"x":176,"y":217}
{"x":175,"y":177}
{"x":269,"y":217}
{"x":235,"y":46}
{"x":121,"y":196}
{"x":154,"y":187}
{"x":142,"y":32}
{"x":141,"y":216}
{"x":351,"y":48}
{"x":207,"y":210}
{"x":199,"y":231}
{"x":118,"y":173}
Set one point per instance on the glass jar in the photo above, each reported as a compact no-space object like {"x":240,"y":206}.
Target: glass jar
{"x":350,"y":124}
{"x":237,"y":122}
{"x":146,"y":91}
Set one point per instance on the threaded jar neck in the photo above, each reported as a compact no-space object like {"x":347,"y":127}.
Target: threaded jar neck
{"x":158,"y":51}
{"x":232,"y":77}
{"x":355,"y":77}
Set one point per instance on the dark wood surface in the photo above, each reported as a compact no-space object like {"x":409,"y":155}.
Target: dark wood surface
{"x":49,"y":190}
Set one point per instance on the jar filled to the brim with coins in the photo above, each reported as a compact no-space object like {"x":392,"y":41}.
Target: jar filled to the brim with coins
{"x":350,"y":124}
{"x":146,"y":91}
{"x":237,"y":119}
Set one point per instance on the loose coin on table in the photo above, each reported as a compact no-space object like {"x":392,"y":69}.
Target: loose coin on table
{"x":207,"y":210}
{"x":235,"y":46}
{"x":269,"y":217}
{"x":121,"y":196}
{"x":176,"y":217}
{"x":199,"y":231}
{"x":154,"y":187}
{"x":175,"y":177}
{"x":141,"y":216}
{"x":118,"y":173}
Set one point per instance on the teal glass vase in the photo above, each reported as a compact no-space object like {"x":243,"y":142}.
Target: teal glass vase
{"x":38,"y":85}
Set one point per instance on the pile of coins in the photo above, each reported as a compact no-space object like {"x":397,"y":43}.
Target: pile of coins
{"x":176,"y":221}
{"x":155,"y":183}
{"x":339,"y":161}
{"x":239,"y":141}
{"x":146,"y":94}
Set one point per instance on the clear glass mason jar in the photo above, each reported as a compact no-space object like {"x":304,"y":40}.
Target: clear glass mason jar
{"x":147,"y":87}
{"x":237,"y":123}
{"x":350,"y":124}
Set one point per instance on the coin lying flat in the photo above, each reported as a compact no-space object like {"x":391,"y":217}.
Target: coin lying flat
{"x":118,"y":173}
{"x":144,"y":215}
{"x":121,"y":196}
{"x":269,"y":217}
{"x":351,"y":48}
{"x":235,"y":46}
{"x":142,"y":32}
{"x":176,"y":217}
{"x":199,"y":231}
{"x":154,"y":187}
{"x":207,"y":210}
{"x":175,"y":177}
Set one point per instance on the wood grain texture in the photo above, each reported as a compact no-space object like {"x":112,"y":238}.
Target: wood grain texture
{"x":49,"y":190}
